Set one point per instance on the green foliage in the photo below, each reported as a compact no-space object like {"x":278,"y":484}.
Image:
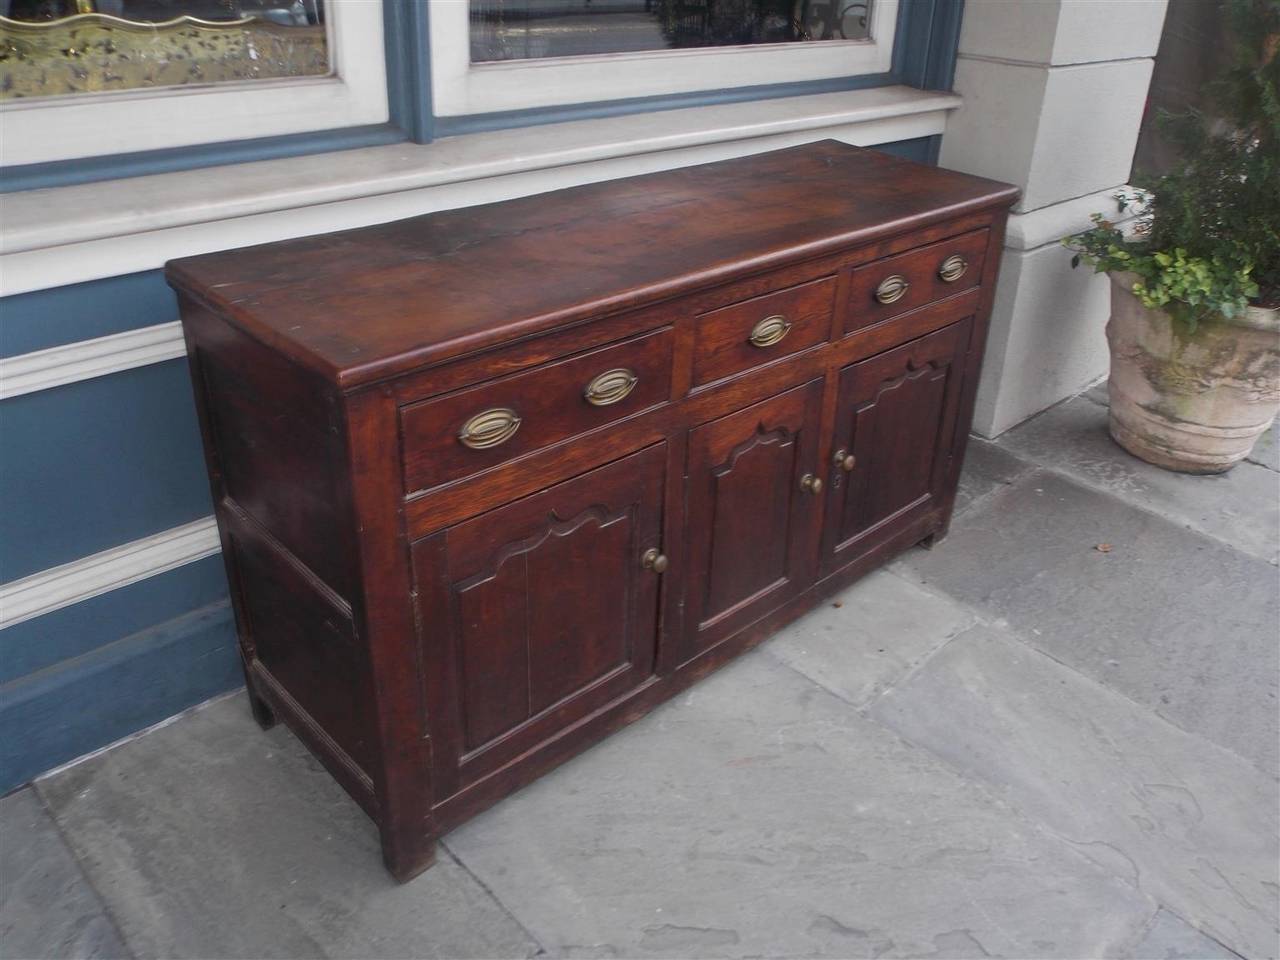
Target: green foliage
{"x":1191,"y":288}
{"x":1206,"y":239}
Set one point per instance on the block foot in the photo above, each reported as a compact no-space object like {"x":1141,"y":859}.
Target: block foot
{"x":263,"y":715}
{"x":405,"y":860}
{"x":933,"y":539}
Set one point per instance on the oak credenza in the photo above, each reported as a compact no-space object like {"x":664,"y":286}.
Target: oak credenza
{"x":493,"y":482}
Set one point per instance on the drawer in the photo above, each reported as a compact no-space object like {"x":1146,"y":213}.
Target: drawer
{"x":762,"y":329}
{"x":889,"y":287}
{"x":461,"y":433}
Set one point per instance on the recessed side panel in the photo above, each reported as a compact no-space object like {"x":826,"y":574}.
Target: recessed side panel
{"x":305,"y":641}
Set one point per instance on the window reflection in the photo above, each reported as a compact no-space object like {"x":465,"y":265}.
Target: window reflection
{"x":62,"y":47}
{"x":533,"y":29}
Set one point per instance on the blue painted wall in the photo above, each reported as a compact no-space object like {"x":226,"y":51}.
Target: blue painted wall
{"x":89,"y":466}
{"x":119,"y":687}
{"x":123,"y":462}
{"x":81,"y":311}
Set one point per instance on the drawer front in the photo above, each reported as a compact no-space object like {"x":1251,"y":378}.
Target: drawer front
{"x":462,"y":433}
{"x":762,"y":329}
{"x":889,"y":287}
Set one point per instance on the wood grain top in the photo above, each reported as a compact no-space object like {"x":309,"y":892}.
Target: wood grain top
{"x":365,"y":304}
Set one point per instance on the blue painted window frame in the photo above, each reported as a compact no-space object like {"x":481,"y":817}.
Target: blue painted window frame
{"x":924,"y":56}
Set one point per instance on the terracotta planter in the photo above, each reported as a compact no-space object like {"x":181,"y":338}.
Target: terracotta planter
{"x":1193,"y":402}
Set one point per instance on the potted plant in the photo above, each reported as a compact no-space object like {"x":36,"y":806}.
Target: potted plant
{"x":1195,"y":279}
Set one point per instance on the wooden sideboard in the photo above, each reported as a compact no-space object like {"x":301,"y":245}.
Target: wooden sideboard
{"x":494,"y":482}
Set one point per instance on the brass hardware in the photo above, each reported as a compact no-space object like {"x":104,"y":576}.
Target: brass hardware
{"x":490,"y":428}
{"x":94,"y":18}
{"x":810,"y":484}
{"x":892,"y":289}
{"x":91,"y":52}
{"x":653,"y":559}
{"x":844,"y":460}
{"x":610,"y":387}
{"x":769,"y":331}
{"x":953,"y":268}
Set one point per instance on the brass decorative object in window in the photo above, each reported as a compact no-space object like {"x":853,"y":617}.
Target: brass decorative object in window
{"x":95,"y":51}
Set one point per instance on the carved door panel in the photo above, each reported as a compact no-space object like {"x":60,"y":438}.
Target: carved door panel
{"x":752,"y":514}
{"x":896,"y":416}
{"x":538,"y":613}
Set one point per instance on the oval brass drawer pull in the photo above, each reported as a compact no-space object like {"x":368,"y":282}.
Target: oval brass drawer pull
{"x":892,"y":289}
{"x":610,"y":387}
{"x":769,"y":331}
{"x":953,"y":268}
{"x":489,"y":428}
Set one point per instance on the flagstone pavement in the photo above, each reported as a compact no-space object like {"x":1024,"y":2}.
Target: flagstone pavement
{"x":1022,"y":743}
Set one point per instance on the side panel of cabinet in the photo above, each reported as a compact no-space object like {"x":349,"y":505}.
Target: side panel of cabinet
{"x":751,"y":530}
{"x":537,"y":613}
{"x":896,"y":414}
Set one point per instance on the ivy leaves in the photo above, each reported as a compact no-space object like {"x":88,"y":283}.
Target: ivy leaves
{"x":1193,"y":289}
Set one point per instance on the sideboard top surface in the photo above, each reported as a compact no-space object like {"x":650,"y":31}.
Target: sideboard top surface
{"x":364,"y":304}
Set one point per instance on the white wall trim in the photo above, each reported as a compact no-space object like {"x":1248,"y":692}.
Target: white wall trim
{"x":73,"y":234}
{"x":86,"y":359}
{"x":109,"y":570}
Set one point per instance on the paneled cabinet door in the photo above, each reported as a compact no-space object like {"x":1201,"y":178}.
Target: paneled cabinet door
{"x":895,"y":429}
{"x":753,"y":509}
{"x":537,"y":613}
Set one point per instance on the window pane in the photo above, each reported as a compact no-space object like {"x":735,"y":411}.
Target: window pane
{"x":59,"y":47}
{"x":525,"y":29}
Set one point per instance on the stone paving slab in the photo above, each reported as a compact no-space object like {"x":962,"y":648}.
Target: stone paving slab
{"x":1098,"y":393}
{"x":209,"y":838}
{"x":1266,"y":452}
{"x":867,"y":638}
{"x":1171,"y":938}
{"x":1189,"y":823}
{"x":987,"y":468}
{"x":47,"y":908}
{"x":1171,"y":618}
{"x":759,"y":815}
{"x":1241,"y":507}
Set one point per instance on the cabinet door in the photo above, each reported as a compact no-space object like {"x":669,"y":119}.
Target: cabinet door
{"x":752,"y":516}
{"x":537,"y":613}
{"x":896,"y":415}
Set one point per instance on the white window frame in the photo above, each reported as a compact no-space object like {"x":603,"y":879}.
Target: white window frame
{"x":90,"y":125}
{"x":459,"y":87}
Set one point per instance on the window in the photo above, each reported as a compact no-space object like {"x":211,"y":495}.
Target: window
{"x":84,"y":78}
{"x":498,"y":55}
{"x":529,"y":29}
{"x":129,"y":44}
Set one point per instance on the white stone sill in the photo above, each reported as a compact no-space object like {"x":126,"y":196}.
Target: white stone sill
{"x":56,"y":217}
